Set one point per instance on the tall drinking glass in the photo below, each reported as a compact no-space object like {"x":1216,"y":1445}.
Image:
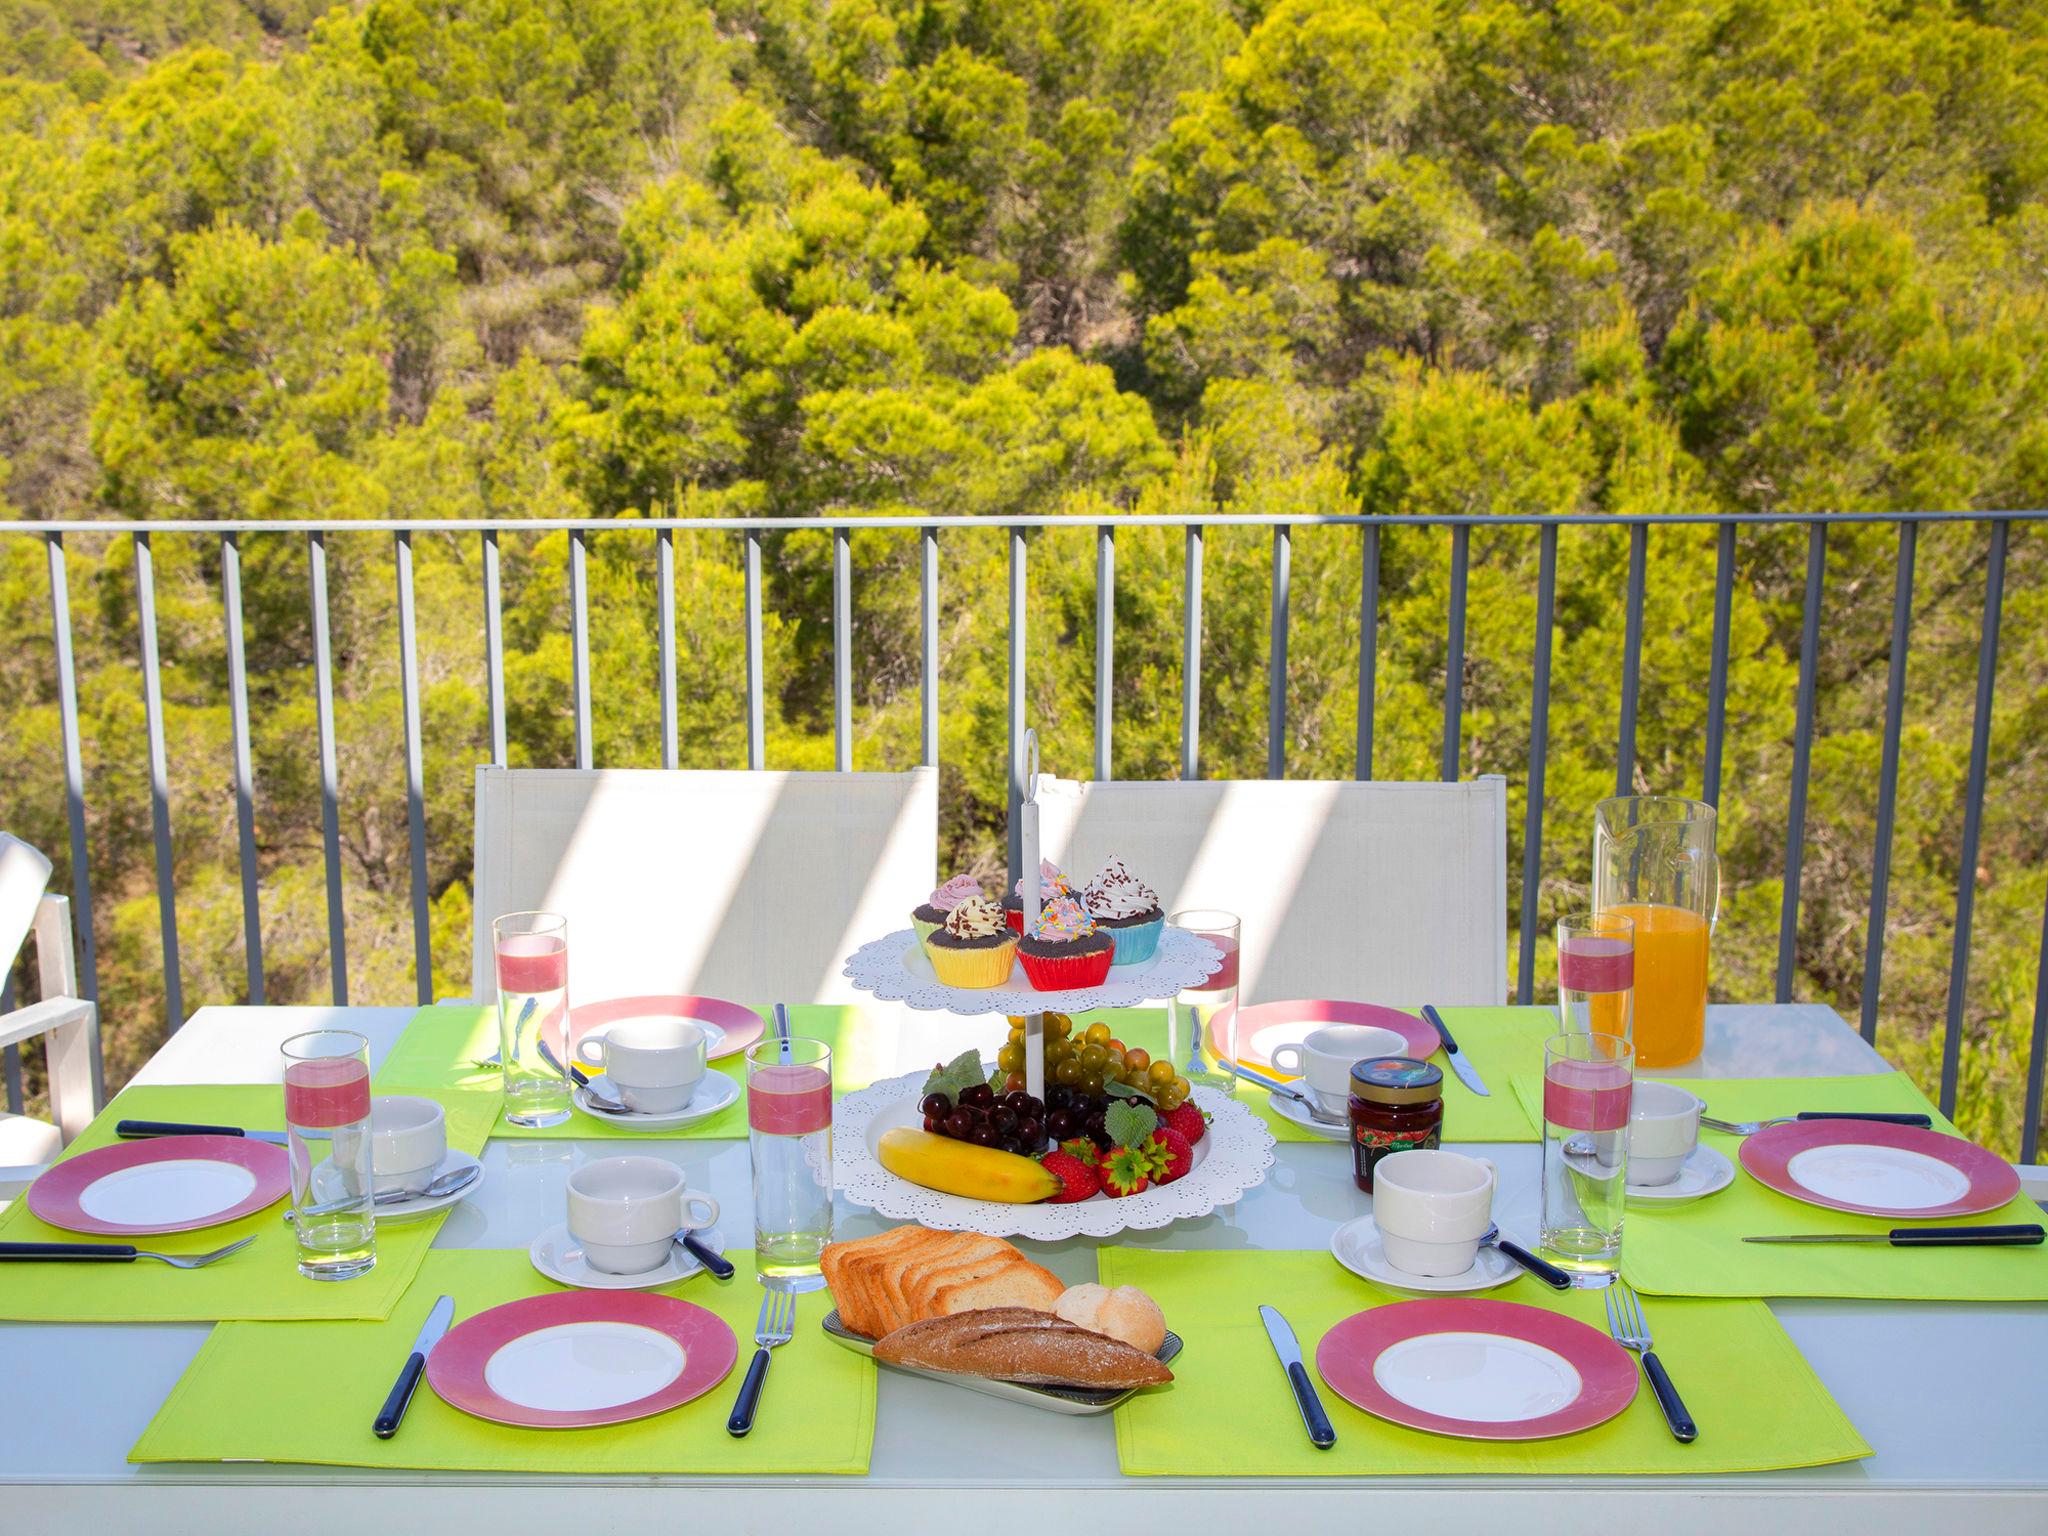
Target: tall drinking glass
{"x":1588,"y":1081}
{"x":1596,"y":973}
{"x":789,"y":1134}
{"x":1654,"y":862}
{"x":532,"y":953}
{"x":1210,"y":1006}
{"x":327,"y":1133}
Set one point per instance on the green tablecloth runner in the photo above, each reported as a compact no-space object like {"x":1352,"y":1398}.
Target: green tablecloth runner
{"x":441,"y":1045}
{"x":307,"y":1393}
{"x":1697,"y":1249}
{"x":262,"y":1281}
{"x":1229,"y":1412}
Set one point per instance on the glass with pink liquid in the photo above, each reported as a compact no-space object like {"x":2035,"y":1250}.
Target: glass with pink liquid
{"x":327,"y":1126}
{"x":1206,"y":1012}
{"x":1596,"y":973}
{"x":789,"y":1133}
{"x":532,"y":954}
{"x":1588,"y":1082}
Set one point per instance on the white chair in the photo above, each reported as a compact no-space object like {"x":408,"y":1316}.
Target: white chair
{"x":1376,"y":892}
{"x":64,"y":1020}
{"x":753,"y":886}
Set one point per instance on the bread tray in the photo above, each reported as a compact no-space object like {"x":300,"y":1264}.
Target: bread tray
{"x":1068,"y":1400}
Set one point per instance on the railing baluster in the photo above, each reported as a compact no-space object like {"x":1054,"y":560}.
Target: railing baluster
{"x":1019,"y":610}
{"x":330,"y":798}
{"x":74,"y":792}
{"x":757,"y":714}
{"x":842,"y":650}
{"x":1454,"y":654}
{"x":1276,"y":658}
{"x":1539,"y":754}
{"x":1973,"y":820}
{"x":1191,"y":659}
{"x":579,"y":630}
{"x":494,"y":645}
{"x":1802,"y":757}
{"x":159,"y":779}
{"x":1105,"y":648}
{"x":415,"y":793}
{"x":665,"y":616}
{"x":245,"y":785}
{"x":1888,"y":779}
{"x":1631,"y":659}
{"x":2037,"y":1053}
{"x":1717,"y":670}
{"x":1368,"y":644}
{"x":928,"y":632}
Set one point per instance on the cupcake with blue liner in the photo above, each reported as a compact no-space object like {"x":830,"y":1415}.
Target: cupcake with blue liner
{"x":1126,"y":909}
{"x":928,"y":918}
{"x":1066,"y":949}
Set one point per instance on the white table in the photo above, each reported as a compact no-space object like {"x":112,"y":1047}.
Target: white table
{"x":1953,"y":1398}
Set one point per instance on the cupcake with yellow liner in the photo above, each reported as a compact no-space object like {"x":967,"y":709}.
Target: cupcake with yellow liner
{"x":1052,"y":881}
{"x":1125,"y":908}
{"x":928,"y":918}
{"x":973,"y":947}
{"x":1065,"y":949}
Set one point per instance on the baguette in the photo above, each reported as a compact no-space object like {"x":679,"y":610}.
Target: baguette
{"x":1022,"y":1345}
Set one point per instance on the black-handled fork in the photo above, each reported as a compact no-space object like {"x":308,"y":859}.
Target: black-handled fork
{"x":1631,"y":1330}
{"x":115,"y":1253}
{"x":776,"y":1325}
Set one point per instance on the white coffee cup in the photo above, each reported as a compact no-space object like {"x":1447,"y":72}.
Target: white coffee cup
{"x":1431,"y":1208}
{"x":408,"y":1140}
{"x":1323,"y":1058}
{"x":624,"y":1212}
{"x":653,"y":1064}
{"x":1663,"y":1129}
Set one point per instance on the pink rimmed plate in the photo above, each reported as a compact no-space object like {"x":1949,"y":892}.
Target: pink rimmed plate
{"x":1876,"y":1169}
{"x":574,"y":1359}
{"x":1263,"y":1029}
{"x":164,"y":1184}
{"x":732,"y":1027}
{"x":1477,"y":1369}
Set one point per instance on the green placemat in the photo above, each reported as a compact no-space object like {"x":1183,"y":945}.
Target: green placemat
{"x":1229,"y":1413}
{"x":1697,"y":1249}
{"x":442,"y":1045}
{"x":262,"y":1281}
{"x":307,"y":1393}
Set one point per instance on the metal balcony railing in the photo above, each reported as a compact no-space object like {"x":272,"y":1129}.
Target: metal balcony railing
{"x":930,"y":529}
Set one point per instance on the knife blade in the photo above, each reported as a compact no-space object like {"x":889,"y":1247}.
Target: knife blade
{"x":1467,"y":1073}
{"x":138,"y":1130}
{"x":1320,"y":1433}
{"x":2022,"y":1235}
{"x":393,"y":1411}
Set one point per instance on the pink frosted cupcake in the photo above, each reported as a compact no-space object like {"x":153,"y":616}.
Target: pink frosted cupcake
{"x":1066,"y":949}
{"x":1052,"y":881}
{"x":932,"y":915}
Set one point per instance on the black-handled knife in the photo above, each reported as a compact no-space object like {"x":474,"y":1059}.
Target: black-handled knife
{"x":400,"y":1397}
{"x":1925,"y":1122}
{"x":1682,"y":1427}
{"x":1460,"y":1064}
{"x":136,"y":1130}
{"x":706,"y":1255}
{"x":1320,"y":1432}
{"x":2021,"y":1235}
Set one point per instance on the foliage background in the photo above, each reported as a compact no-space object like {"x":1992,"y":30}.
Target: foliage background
{"x":516,"y":258}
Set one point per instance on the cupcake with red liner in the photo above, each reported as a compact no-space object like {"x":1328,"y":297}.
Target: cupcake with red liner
{"x":1052,"y":881}
{"x":972,"y":948}
{"x":929,"y":917}
{"x":1066,"y":949}
{"x":1125,"y":908}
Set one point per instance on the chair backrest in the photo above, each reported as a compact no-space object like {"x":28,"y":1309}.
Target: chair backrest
{"x":24,"y":876}
{"x":1375,"y":892}
{"x":749,"y":885}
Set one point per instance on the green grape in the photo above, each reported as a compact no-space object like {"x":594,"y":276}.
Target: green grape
{"x":1068,"y":1072}
{"x":1098,"y":1034}
{"x":1139,"y":1059}
{"x":1093,"y":1058}
{"x":1091,"y":1083}
{"x":1011,"y":1058}
{"x":1161,"y":1071}
{"x":1112,"y":1061}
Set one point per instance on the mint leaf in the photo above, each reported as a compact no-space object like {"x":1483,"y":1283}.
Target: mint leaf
{"x":997,"y":1079}
{"x":1129,"y":1124}
{"x":956,"y":1076}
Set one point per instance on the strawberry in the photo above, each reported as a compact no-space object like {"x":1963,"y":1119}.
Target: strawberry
{"x":1078,"y":1179}
{"x":1083,"y":1148}
{"x":1192,"y":1124}
{"x":1127,"y":1171}
{"x":1170,"y":1154}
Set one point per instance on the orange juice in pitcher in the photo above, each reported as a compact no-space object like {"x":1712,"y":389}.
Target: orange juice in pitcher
{"x":1654,"y":862}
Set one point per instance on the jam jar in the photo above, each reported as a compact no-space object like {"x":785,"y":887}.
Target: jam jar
{"x":1397,"y":1105}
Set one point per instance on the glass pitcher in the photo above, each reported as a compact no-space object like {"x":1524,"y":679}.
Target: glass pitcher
{"x":1654,"y":863}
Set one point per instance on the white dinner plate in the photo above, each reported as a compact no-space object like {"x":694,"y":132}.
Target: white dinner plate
{"x":714,"y":1093}
{"x":556,"y":1254}
{"x":1706,"y":1172}
{"x":1358,"y":1248}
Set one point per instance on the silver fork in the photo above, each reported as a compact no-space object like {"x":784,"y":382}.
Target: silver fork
{"x":775,"y":1326}
{"x":117,"y":1253}
{"x":1751,"y":1127}
{"x":1631,"y":1330}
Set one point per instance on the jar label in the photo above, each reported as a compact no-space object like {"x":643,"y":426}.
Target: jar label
{"x":1381,"y":1143}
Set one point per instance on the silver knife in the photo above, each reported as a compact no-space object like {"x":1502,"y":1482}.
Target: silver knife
{"x":136,"y":1130}
{"x":393,"y":1411}
{"x":1467,"y":1073}
{"x":1317,"y":1422}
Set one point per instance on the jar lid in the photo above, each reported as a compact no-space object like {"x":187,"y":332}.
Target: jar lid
{"x":1396,"y":1080}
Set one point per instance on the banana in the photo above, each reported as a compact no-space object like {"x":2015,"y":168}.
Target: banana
{"x":961,"y":1168}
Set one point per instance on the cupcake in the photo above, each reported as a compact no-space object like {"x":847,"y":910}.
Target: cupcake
{"x":1052,"y":881}
{"x":1066,"y":949}
{"x":942,"y":901}
{"x":1125,"y":908}
{"x":972,"y":948}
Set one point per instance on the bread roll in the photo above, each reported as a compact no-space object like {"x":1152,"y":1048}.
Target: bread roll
{"x":1125,"y":1313}
{"x":1019,"y":1344}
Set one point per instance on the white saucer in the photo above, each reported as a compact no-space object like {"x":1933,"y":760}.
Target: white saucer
{"x":324,"y":1181}
{"x":1358,"y":1248}
{"x":1295,"y":1113}
{"x":557,"y":1255}
{"x":1706,"y":1172}
{"x":715,"y":1092}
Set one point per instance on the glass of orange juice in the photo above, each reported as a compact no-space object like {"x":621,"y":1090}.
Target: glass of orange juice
{"x":1654,"y":863}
